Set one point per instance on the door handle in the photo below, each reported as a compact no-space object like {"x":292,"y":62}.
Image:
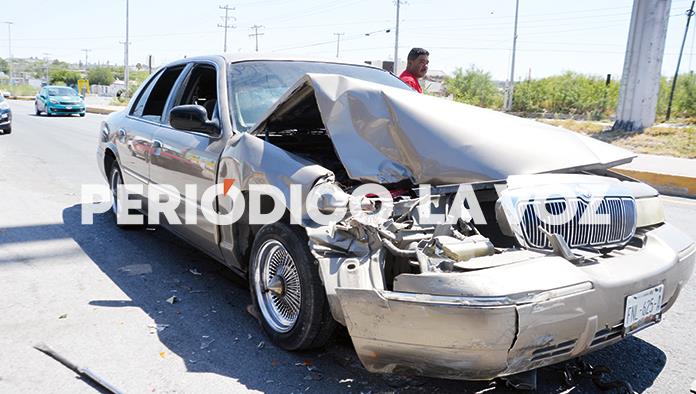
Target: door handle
{"x":156,"y":147}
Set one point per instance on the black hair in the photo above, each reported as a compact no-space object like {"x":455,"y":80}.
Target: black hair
{"x":415,"y":52}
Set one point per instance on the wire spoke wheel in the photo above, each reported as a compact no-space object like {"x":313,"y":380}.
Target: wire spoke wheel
{"x":277,"y":286}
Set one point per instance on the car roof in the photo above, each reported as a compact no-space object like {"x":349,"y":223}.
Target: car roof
{"x":245,"y":57}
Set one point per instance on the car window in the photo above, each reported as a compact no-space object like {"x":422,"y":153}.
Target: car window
{"x":61,"y":91}
{"x":156,"y":99}
{"x":139,"y":105}
{"x":200,"y":89}
{"x":256,"y":85}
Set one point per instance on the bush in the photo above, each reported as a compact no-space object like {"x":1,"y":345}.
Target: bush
{"x":569,"y":93}
{"x":100,"y":76}
{"x":69,"y":77}
{"x":19,"y":90}
{"x":474,"y":86}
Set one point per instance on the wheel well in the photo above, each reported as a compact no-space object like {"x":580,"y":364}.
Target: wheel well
{"x":109,"y":159}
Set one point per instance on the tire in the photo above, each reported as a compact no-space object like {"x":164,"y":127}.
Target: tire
{"x":7,"y":131}
{"x":281,"y":259}
{"x":36,"y":108}
{"x":116,"y":178}
{"x":82,"y":115}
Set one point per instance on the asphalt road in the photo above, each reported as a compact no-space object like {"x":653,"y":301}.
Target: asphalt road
{"x":94,"y":293}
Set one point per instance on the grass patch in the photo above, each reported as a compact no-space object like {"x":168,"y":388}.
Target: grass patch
{"x":670,"y":140}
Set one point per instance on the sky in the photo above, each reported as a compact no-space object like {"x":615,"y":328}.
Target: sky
{"x":553,"y":35}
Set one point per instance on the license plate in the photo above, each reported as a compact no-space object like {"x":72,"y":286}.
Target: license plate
{"x":643,"y":309}
{"x":68,"y":107}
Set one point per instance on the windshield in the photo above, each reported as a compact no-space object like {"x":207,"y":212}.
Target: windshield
{"x":61,"y":92}
{"x":256,"y":86}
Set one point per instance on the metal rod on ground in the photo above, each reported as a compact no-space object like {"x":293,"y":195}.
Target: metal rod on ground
{"x":511,"y":86}
{"x":82,"y":371}
{"x":689,"y":14}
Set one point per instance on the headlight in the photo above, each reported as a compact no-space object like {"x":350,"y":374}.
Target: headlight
{"x":54,"y":101}
{"x":4,"y":105}
{"x":649,"y":211}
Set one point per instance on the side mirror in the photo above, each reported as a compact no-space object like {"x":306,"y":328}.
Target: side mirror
{"x":192,"y":117}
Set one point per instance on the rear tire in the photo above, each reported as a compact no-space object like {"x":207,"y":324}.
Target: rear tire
{"x":7,"y":131}
{"x":115,"y":179}
{"x":82,"y":115}
{"x":286,"y":290}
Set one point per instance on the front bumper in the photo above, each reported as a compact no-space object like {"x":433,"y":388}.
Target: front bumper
{"x":5,"y":119}
{"x":479,"y":325}
{"x":60,"y":109}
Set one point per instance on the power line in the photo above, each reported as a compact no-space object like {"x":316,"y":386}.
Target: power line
{"x":256,"y":34}
{"x":226,"y":25}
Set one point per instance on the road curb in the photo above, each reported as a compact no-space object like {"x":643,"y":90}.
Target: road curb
{"x":100,"y":110}
{"x":673,"y":185}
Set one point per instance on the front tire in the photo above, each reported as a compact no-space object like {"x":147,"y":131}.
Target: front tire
{"x":36,"y":109}
{"x":286,"y":289}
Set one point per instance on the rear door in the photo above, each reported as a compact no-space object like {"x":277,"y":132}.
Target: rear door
{"x":187,"y":157}
{"x":135,"y":133}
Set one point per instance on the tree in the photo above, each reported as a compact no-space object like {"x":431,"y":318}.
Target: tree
{"x":69,"y":77}
{"x":100,"y":76}
{"x":4,"y":66}
{"x":474,"y":86}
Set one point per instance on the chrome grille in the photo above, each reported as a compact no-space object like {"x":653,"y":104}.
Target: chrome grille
{"x":582,"y":227}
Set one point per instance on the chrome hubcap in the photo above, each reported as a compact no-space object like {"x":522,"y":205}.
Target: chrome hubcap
{"x":277,"y":286}
{"x":115,"y":181}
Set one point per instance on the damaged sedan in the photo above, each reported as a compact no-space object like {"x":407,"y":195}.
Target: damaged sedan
{"x":464,"y":243}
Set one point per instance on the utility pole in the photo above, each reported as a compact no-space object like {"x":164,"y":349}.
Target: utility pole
{"x":689,"y":14}
{"x":9,"y":46}
{"x":396,"y":40}
{"x":126,"y":77}
{"x":338,"y":42}
{"x":149,"y":64}
{"x":511,"y":83}
{"x":226,"y":25}
{"x":256,"y":34}
{"x":86,"y":51}
{"x":46,"y":55}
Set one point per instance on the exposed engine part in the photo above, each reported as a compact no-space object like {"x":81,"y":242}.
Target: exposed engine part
{"x":561,"y":248}
{"x":462,"y":250}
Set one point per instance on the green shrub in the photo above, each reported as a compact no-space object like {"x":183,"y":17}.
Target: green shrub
{"x":474,"y":86}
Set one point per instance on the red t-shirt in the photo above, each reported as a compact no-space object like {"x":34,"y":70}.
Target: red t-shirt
{"x":411,"y":80}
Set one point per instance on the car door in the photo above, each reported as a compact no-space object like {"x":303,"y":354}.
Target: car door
{"x":184,"y":157}
{"x":136,"y":131}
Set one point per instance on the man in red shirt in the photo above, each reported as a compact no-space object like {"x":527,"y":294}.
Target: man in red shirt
{"x":416,"y":67}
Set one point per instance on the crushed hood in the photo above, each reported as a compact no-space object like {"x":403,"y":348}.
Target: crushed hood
{"x":385,"y":135}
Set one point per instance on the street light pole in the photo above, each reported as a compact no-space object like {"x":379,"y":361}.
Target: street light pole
{"x":256,"y":34}
{"x":396,"y":40}
{"x":9,"y":46}
{"x":689,"y":13}
{"x":338,"y":42}
{"x":226,"y":25}
{"x":86,"y":51}
{"x":126,"y":77}
{"x":511,"y":86}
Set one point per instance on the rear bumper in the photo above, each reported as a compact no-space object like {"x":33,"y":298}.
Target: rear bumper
{"x":499,"y":321}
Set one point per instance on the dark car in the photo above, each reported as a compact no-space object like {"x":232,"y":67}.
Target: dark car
{"x":494,"y":290}
{"x":5,"y":116}
{"x":59,"y":100}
